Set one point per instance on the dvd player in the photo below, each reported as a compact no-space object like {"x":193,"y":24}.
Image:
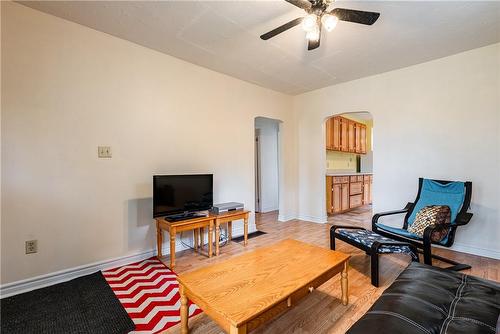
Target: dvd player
{"x":221,"y":208}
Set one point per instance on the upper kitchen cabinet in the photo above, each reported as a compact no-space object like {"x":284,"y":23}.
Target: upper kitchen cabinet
{"x":351,"y":136}
{"x":333,"y":134}
{"x":345,"y":135}
{"x":363,"y":139}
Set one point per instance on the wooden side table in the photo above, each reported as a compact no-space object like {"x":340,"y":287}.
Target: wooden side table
{"x":228,"y":218}
{"x":184,"y":225}
{"x":197,"y":225}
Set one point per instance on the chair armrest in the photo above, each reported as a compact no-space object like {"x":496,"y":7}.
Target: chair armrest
{"x":463,"y":219}
{"x":389,"y":213}
{"x":335,"y":227}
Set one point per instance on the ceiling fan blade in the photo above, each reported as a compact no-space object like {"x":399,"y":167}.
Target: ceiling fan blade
{"x":304,"y":4}
{"x":314,"y":44}
{"x":356,"y":16}
{"x":281,"y":28}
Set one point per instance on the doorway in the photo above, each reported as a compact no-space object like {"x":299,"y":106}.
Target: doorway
{"x":349,"y":165}
{"x":266,"y":164}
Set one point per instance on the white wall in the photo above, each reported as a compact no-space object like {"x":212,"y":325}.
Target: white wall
{"x":269,"y":183}
{"x":67,"y":89}
{"x":439,"y":119}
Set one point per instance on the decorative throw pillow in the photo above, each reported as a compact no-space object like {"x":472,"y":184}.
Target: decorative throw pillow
{"x":431,"y":215}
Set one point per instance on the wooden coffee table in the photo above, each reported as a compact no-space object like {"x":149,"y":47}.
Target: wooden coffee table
{"x":244,"y":292}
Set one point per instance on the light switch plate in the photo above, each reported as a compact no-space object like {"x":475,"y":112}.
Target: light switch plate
{"x":104,"y":151}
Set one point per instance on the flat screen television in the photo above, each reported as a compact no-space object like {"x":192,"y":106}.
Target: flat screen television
{"x":180,"y":196}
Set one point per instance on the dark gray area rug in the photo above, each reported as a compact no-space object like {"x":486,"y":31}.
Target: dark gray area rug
{"x":250,"y":236}
{"x":83,"y":305}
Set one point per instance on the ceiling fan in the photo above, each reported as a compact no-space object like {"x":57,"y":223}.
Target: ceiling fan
{"x":319,"y":17}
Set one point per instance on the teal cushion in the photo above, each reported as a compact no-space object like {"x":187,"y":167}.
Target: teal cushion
{"x":434,"y":193}
{"x":399,"y":231}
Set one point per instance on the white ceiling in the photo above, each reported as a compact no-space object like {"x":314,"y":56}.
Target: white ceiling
{"x":224,"y":36}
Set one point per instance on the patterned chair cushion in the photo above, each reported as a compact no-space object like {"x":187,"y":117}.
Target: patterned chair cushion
{"x":431,"y":215}
{"x":367,"y":238}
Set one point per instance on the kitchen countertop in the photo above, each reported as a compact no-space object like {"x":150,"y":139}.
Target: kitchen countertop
{"x":345,"y":174}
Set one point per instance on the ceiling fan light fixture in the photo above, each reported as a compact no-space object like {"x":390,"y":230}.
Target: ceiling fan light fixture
{"x":313,"y":35}
{"x":329,"y":22}
{"x":310,"y":22}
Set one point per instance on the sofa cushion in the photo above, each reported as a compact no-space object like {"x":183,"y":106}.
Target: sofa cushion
{"x":425,"y":299}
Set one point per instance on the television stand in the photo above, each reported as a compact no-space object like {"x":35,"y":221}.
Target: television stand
{"x":184,"y":216}
{"x":198,"y":225}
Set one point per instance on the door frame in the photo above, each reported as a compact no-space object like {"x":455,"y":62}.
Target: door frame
{"x":258,"y":179}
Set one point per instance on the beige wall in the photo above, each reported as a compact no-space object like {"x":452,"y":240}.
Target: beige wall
{"x":67,"y":89}
{"x":439,"y":119}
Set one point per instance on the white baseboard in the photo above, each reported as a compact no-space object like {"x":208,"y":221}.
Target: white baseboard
{"x":41,"y":281}
{"x":268,"y":209}
{"x":491,"y":253}
{"x":314,"y":219}
{"x":285,"y":217}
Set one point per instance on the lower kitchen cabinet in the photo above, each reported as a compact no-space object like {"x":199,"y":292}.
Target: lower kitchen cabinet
{"x":367,"y":189}
{"x":347,"y":192}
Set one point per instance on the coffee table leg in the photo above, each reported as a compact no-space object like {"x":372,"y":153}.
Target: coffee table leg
{"x":344,"y":283}
{"x":238,"y":330}
{"x":184,"y":311}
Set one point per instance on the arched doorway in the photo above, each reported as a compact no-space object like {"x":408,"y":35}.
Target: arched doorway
{"x":349,"y":164}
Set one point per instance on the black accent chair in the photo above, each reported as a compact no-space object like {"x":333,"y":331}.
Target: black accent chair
{"x":462,"y":218}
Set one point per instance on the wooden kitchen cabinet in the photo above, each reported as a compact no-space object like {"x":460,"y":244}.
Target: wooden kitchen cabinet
{"x":357,"y":137}
{"x":344,"y":197}
{"x":329,"y":134}
{"x":344,"y":192}
{"x":366,"y":192}
{"x":356,"y":188}
{"x":337,"y":195}
{"x":329,"y":194}
{"x":351,"y":136}
{"x":344,"y":125}
{"x":362,"y":139}
{"x":345,"y":135}
{"x":335,"y":134}
{"x":337,"y":198}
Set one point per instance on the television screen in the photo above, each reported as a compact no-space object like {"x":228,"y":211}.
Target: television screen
{"x":174,"y":194}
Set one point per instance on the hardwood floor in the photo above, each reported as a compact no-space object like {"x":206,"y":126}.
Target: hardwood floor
{"x":322,"y":311}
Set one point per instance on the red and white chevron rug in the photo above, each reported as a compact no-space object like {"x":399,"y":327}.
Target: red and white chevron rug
{"x":149,"y":292}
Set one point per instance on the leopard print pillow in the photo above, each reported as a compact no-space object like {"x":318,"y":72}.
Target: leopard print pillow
{"x":431,"y":215}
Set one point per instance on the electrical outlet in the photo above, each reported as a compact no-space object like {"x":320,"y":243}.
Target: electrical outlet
{"x":31,"y":246}
{"x":104,"y":151}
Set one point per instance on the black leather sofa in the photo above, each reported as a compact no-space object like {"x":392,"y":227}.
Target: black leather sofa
{"x":425,"y":299}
